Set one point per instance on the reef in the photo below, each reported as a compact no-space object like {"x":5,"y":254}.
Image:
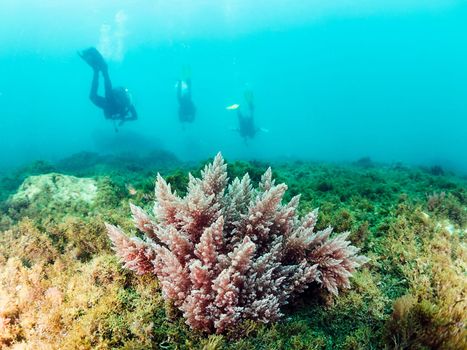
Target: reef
{"x":62,"y":286}
{"x":60,"y":189}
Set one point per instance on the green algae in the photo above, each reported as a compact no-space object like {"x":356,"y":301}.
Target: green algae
{"x":394,"y":302}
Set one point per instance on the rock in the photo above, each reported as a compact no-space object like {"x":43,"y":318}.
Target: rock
{"x":56,"y":188}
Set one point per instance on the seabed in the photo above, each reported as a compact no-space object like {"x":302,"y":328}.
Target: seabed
{"x":62,"y":287}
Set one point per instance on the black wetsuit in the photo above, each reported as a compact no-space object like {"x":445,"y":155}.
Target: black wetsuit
{"x":186,"y":108}
{"x":112,"y":109}
{"x":246,"y":124}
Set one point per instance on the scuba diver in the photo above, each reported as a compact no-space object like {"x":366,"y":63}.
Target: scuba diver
{"x":186,"y":107}
{"x":117,"y":103}
{"x":246,"y":123}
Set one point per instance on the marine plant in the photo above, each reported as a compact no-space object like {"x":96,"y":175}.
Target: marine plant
{"x":62,"y":288}
{"x":431,"y":259}
{"x":226,"y":253}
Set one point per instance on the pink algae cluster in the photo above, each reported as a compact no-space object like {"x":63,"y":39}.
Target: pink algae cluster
{"x":225,"y":253}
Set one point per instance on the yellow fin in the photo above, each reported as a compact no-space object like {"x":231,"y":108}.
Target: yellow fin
{"x":233,"y":107}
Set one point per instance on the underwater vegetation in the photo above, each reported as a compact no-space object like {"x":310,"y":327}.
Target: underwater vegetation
{"x":224,"y":255}
{"x":62,"y":287}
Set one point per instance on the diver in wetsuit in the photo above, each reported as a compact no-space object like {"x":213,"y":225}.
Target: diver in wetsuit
{"x":246,"y":123}
{"x":116,"y":104}
{"x":186,"y":107}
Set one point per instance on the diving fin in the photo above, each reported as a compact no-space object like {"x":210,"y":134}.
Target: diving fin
{"x":232,"y":107}
{"x":93,"y":57}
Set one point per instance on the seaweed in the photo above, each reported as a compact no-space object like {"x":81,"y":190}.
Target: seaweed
{"x":61,"y":287}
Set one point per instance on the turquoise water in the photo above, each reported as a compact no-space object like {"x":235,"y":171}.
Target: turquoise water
{"x":332,"y":82}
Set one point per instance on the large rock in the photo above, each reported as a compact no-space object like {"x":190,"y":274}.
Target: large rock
{"x":56,"y":188}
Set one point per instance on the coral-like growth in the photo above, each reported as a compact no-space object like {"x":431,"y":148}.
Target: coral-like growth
{"x":228,"y":253}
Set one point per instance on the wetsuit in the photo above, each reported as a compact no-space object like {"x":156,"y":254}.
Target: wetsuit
{"x":246,"y":123}
{"x":186,"y":109}
{"x":112,"y":109}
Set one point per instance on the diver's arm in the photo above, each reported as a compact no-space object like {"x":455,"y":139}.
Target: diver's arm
{"x":99,"y":101}
{"x":132,"y":115}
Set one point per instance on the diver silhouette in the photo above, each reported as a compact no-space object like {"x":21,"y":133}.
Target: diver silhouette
{"x":116,"y":104}
{"x":246,"y":123}
{"x":186,"y":107}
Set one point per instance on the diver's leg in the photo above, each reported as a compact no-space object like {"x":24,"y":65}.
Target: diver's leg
{"x":95,"y":98}
{"x":94,"y":84}
{"x":107,"y":83}
{"x":188,"y":83}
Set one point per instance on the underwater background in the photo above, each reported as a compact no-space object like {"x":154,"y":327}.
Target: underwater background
{"x":336,"y":80}
{"x":362,"y":107}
